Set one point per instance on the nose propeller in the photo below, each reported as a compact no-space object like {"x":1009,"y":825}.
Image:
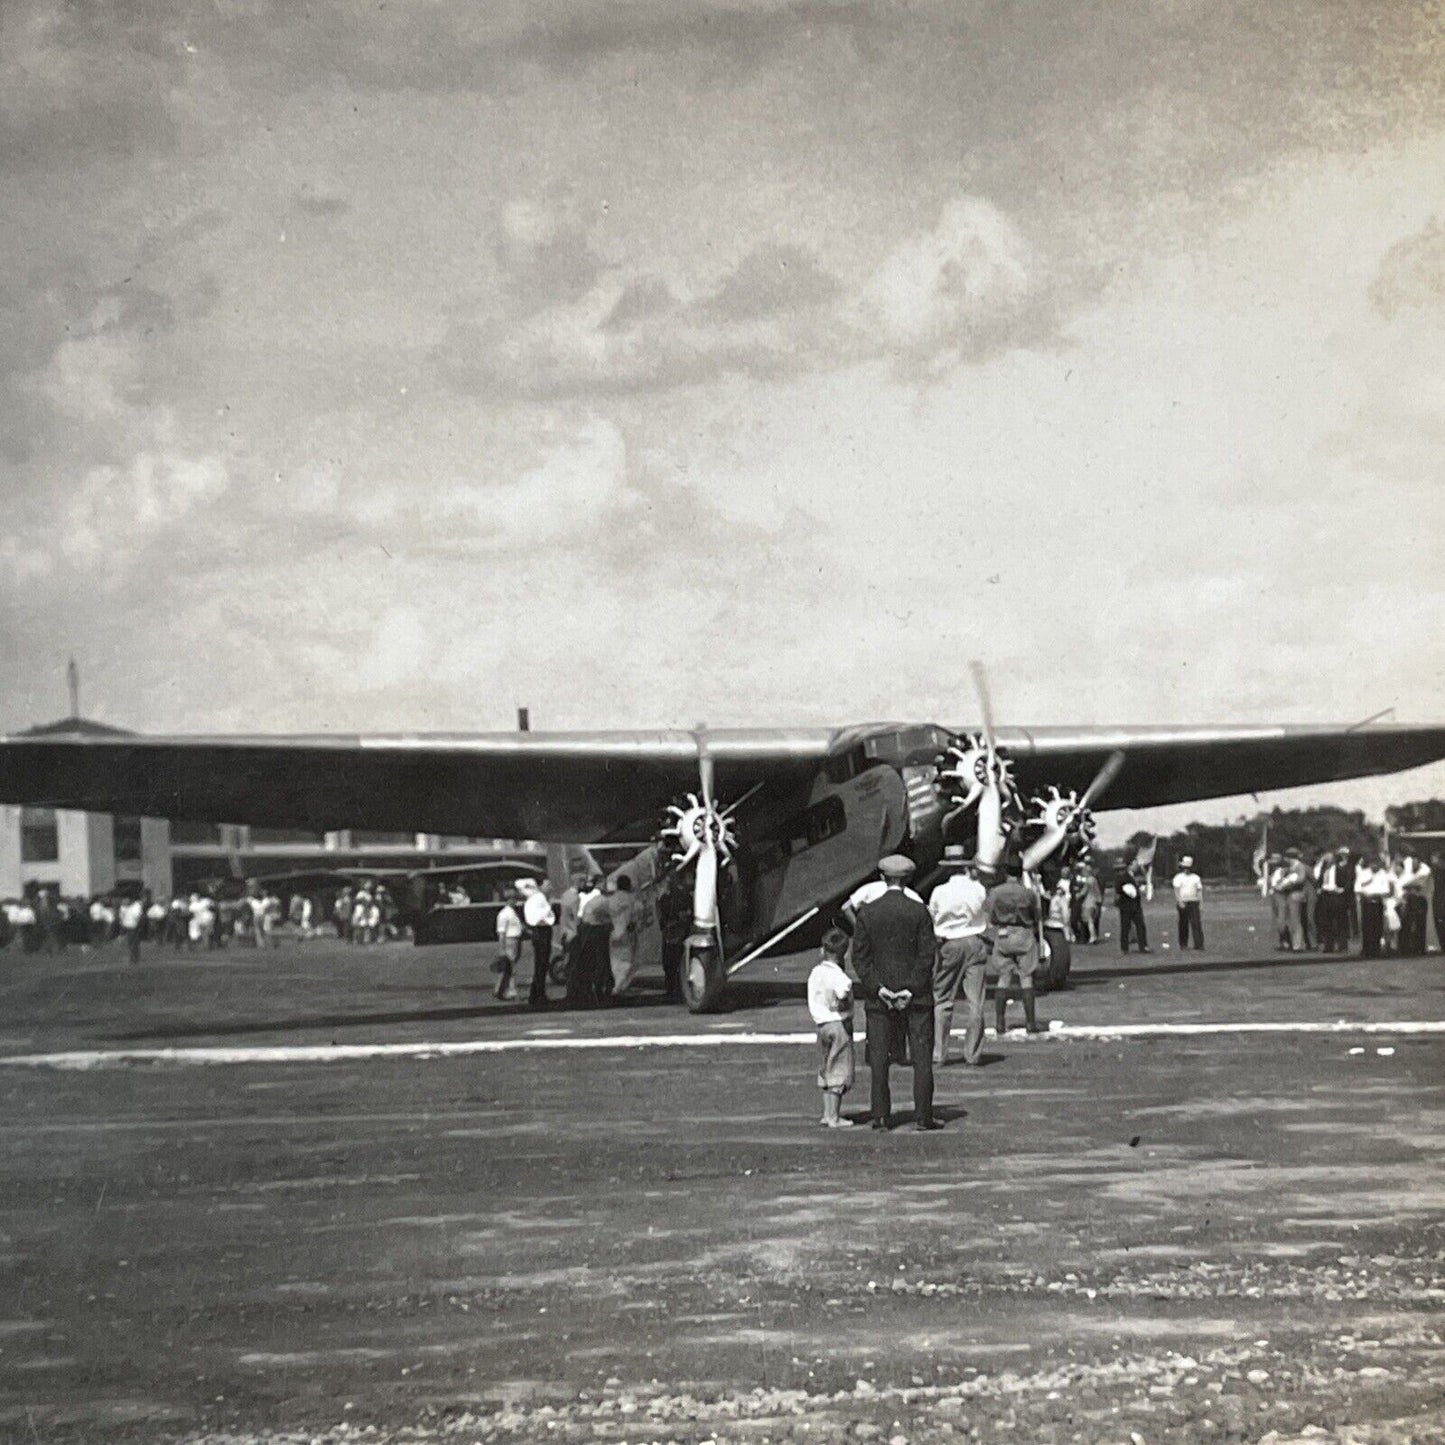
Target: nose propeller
{"x":704,"y":837}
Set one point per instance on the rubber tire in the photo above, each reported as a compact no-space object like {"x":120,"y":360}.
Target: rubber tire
{"x":703,"y":977}
{"x":1061,"y":958}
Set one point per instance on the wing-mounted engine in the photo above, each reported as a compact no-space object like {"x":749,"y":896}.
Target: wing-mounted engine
{"x":700,"y":835}
{"x":1063,"y":823}
{"x":1059,"y":828}
{"x":697,"y":832}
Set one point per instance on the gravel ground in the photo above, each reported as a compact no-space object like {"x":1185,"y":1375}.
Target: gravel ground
{"x":1232,"y":1238}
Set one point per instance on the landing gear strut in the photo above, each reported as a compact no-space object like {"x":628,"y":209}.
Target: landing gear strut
{"x":703,"y":974}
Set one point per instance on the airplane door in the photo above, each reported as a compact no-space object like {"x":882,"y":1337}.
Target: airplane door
{"x":832,"y":844}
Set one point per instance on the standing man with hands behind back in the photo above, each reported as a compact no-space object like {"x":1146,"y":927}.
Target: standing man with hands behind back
{"x":893,"y":956}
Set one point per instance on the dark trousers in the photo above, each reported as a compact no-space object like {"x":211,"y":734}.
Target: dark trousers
{"x":541,"y":958}
{"x":1372,"y":926}
{"x":1191,"y":925}
{"x":1333,"y":920}
{"x":1131,"y":921}
{"x":1414,"y":918}
{"x":589,"y":969}
{"x":884,"y":1027}
{"x":132,"y":944}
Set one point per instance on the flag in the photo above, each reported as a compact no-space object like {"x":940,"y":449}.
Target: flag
{"x":1144,"y":858}
{"x":1261,"y":860}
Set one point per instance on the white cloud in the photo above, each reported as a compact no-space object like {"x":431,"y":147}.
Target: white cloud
{"x":933,"y":288}
{"x":118,"y":512}
{"x":402,"y":648}
{"x":88,"y":375}
{"x":572,"y":486}
{"x":937,"y":298}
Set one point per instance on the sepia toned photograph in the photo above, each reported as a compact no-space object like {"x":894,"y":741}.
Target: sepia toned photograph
{"x":722,"y":721}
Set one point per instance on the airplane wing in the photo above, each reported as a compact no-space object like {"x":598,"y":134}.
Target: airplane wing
{"x":1179,"y":765}
{"x":583,"y":787}
{"x":564,"y":787}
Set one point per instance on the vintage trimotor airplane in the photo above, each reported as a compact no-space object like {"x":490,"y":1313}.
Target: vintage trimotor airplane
{"x":773,"y":826}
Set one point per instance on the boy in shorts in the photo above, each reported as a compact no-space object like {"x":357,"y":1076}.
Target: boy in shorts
{"x":509,"y":944}
{"x":830,"y":1002}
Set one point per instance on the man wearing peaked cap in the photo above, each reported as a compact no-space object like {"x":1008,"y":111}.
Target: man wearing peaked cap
{"x":875,"y":888}
{"x":893,"y":956}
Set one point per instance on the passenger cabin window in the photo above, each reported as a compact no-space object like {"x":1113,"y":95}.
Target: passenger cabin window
{"x":39,"y":837}
{"x":825,"y":820}
{"x":819,"y":823}
{"x":840,"y":767}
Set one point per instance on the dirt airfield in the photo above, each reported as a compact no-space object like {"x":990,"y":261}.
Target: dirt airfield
{"x":1179,"y":1236}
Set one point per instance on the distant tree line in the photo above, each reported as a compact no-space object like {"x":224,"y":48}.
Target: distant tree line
{"x":1225,"y":851}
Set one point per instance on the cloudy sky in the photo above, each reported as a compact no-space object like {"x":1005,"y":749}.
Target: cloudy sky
{"x":391,"y":365}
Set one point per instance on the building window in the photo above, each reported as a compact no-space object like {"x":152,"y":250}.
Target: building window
{"x":126,"y":832}
{"x":39,"y":839}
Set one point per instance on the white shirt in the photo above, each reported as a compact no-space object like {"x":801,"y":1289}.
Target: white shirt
{"x":131,"y":914}
{"x":1375,"y":883}
{"x":1415,"y":878}
{"x":593,"y":909}
{"x":959,"y":907}
{"x":830,"y":993}
{"x":869,"y":891}
{"x":508,"y":924}
{"x":1060,"y":901}
{"x":1188,"y":887}
{"x":537,"y":910}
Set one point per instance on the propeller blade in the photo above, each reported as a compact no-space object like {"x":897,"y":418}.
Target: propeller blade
{"x":985,"y":702}
{"x":1048,"y":843}
{"x":1103,"y":778}
{"x":704,"y":764}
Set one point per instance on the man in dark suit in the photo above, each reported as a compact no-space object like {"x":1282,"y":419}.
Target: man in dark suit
{"x":893,"y":956}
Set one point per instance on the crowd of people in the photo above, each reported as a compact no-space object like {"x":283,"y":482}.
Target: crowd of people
{"x":197,"y":919}
{"x":1342,"y":900}
{"x":365,"y":914}
{"x":911,"y":960}
{"x":586,"y":939}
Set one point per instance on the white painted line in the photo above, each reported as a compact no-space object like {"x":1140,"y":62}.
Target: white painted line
{"x":343,"y":1053}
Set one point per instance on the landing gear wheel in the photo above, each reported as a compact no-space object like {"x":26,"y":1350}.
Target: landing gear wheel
{"x":703,"y":975}
{"x":1061,"y":957}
